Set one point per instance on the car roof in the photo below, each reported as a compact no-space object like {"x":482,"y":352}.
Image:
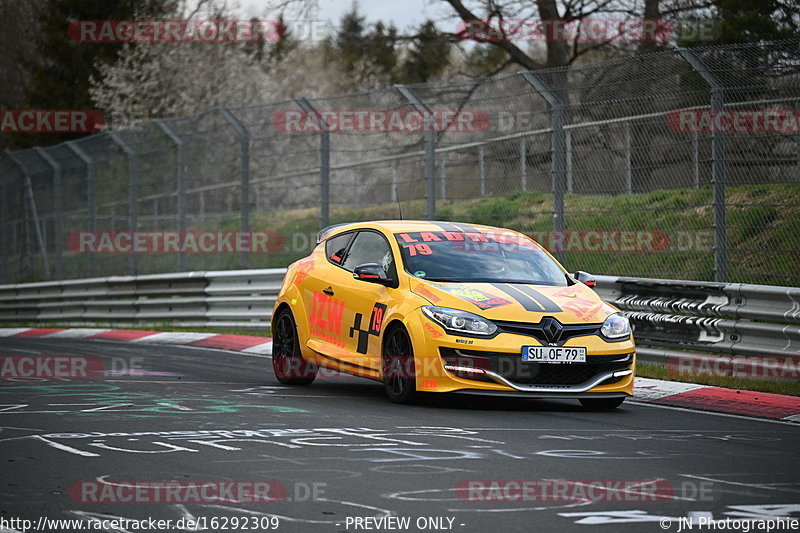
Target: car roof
{"x":402,"y":226}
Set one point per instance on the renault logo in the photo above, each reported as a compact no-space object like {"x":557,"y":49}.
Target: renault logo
{"x":552,"y":329}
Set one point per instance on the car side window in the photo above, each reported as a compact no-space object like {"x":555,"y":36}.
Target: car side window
{"x":371,"y":247}
{"x":335,"y":247}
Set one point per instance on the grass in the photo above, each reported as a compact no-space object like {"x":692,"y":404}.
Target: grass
{"x":763,"y":232}
{"x":763,"y":229}
{"x":655,"y":371}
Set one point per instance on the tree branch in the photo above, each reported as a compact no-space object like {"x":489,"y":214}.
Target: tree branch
{"x":514,"y":52}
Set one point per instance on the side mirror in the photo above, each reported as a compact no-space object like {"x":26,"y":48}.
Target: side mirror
{"x":585,"y":278}
{"x":372,"y":273}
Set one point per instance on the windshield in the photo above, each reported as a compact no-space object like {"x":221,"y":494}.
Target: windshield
{"x":477,"y":257}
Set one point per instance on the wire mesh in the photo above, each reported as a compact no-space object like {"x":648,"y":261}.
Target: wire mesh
{"x":640,"y":171}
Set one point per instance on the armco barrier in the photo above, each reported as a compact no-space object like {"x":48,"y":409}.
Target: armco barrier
{"x":229,"y":298}
{"x":671,"y":318}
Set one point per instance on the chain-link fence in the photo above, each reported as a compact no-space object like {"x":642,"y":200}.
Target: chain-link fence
{"x":678,"y":164}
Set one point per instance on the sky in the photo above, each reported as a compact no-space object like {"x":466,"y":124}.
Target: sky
{"x":405,"y":14}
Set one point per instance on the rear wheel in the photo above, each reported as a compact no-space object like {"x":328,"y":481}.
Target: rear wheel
{"x":602,"y":404}
{"x":399,"y":375}
{"x":287,"y":362}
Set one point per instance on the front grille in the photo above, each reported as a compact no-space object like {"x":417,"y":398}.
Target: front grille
{"x":537,"y":331}
{"x":514,"y":369}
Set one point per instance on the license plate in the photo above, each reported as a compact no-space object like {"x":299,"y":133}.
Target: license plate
{"x":550,"y":354}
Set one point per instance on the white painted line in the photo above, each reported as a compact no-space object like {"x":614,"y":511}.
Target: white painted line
{"x":792,"y":418}
{"x":76,"y":333}
{"x":175,"y":406}
{"x":221,"y":350}
{"x":263,"y":349}
{"x":7,"y":351}
{"x":713,"y":413}
{"x":749,"y":485}
{"x":174,"y":337}
{"x":103,"y":408}
{"x":647,"y":389}
{"x":64,"y":447}
{"x":9,"y":332}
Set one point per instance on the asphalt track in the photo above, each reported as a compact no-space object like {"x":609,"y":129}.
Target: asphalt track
{"x":341,"y":451}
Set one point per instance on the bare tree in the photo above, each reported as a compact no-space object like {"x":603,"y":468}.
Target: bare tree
{"x":19,"y":28}
{"x":493,"y":22}
{"x":157,"y":79}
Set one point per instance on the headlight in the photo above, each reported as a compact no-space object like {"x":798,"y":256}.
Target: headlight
{"x":616,"y":326}
{"x":455,"y":321}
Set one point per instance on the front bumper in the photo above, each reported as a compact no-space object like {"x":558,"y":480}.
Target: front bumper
{"x":443,"y":365}
{"x":573,"y":389}
{"x":540,"y":396}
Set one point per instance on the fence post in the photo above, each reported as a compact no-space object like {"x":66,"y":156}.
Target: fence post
{"x":628,"y":162}
{"x":717,"y":166}
{"x":358,"y":179}
{"x":4,"y":226}
{"x":393,"y":194}
{"x":523,"y":164}
{"x":133,"y":192}
{"x":568,"y":144}
{"x":58,"y":205}
{"x":324,"y":162}
{"x":696,"y":158}
{"x":180,"y":149}
{"x":91,"y":195}
{"x":443,"y":176}
{"x":430,"y":150}
{"x":559,"y":151}
{"x":34,"y":213}
{"x":244,"y":204}
{"x":481,"y":171}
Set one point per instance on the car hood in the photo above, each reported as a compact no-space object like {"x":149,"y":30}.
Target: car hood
{"x":515,"y":302}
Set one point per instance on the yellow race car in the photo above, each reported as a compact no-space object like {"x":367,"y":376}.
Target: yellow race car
{"x":449,"y":307}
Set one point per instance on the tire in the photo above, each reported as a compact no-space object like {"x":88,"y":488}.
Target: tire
{"x":399,"y":375}
{"x":602,"y":404}
{"x":287,"y":362}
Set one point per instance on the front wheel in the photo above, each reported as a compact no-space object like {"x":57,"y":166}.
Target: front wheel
{"x":287,"y":362}
{"x":602,"y":404}
{"x":399,"y":376}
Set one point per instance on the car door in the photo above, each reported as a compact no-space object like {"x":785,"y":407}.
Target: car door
{"x":346,"y":315}
{"x":324,"y":310}
{"x":366,"y":299}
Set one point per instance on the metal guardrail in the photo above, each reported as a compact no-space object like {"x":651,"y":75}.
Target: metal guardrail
{"x":227,"y":298}
{"x":671,"y":318}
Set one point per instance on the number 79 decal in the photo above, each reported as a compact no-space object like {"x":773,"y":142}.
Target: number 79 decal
{"x":421,"y":249}
{"x":375,"y":325}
